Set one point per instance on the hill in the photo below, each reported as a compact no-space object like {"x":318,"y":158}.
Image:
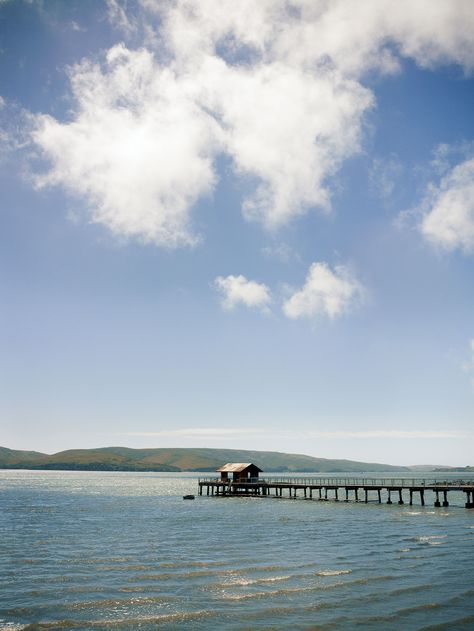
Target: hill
{"x":167,"y":459}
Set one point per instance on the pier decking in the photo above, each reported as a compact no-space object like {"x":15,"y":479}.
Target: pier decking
{"x":357,"y":489}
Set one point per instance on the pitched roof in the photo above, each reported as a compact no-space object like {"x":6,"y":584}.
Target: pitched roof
{"x":237,"y":467}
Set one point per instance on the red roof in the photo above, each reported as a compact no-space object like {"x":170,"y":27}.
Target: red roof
{"x":237,"y":467}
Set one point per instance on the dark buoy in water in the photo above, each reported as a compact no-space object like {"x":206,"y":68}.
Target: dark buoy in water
{"x":188,"y":497}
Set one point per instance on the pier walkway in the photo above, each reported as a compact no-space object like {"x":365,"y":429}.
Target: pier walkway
{"x":357,"y":489}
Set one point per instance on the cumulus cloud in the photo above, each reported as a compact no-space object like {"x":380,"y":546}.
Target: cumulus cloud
{"x":448,"y":219}
{"x":138,"y":150}
{"x":325,"y":293}
{"x":237,"y":290}
{"x":306,"y":33}
{"x":275,"y":85}
{"x":290,"y":130}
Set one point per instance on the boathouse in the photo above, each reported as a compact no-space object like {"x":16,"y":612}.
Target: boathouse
{"x":239,"y":472}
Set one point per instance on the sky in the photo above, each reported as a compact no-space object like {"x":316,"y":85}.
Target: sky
{"x":238,"y":224}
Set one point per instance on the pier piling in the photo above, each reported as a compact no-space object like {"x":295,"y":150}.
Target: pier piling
{"x":264,"y":488}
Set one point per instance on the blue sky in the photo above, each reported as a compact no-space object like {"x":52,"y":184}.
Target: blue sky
{"x":238,"y":225}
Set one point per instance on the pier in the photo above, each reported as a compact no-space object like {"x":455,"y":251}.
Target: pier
{"x":400,"y":491}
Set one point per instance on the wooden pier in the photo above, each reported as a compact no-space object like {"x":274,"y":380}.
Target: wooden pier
{"x":345,"y":489}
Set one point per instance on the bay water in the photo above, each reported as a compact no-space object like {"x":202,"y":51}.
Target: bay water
{"x":122,"y":550}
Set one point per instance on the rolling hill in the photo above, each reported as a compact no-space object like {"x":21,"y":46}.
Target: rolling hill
{"x":167,"y":459}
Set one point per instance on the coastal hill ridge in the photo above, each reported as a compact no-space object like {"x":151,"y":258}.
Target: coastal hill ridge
{"x":179,"y":459}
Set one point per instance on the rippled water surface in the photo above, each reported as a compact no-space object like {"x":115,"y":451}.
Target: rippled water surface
{"x":90,"y":550}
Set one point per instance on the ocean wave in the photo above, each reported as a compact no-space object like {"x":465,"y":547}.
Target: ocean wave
{"x":409,"y":590}
{"x":432,"y":540}
{"x":95,"y":560}
{"x":457,"y":598}
{"x":185,"y":564}
{"x":266,"y":568}
{"x":132,"y":623}
{"x":164,"y":576}
{"x":123,"y":568}
{"x":167,"y":576}
{"x":138,"y":589}
{"x":458,"y":623}
{"x":298,"y":590}
{"x":244,"y":582}
{"x":333,"y":572}
{"x":120,"y":602}
{"x":378,"y":619}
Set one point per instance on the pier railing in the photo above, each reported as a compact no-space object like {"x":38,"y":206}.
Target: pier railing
{"x":352,"y":481}
{"x":356,"y":481}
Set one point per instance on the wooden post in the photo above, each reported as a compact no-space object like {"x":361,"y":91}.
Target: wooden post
{"x":437,"y":502}
{"x":336,"y":497}
{"x":445,"y":501}
{"x":310,"y":492}
{"x":400,"y":497}
{"x":411,"y":497}
{"x":304,"y":492}
{"x":422,"y":497}
{"x":380,"y":499}
{"x":389,"y":501}
{"x":356,"y":493}
{"x":347,"y":494}
{"x":470,"y":501}
{"x":320,"y":494}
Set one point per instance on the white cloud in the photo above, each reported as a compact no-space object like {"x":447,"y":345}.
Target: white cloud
{"x":325,"y":293}
{"x":401,"y":434}
{"x":218,"y":432}
{"x":305,"y":33}
{"x":237,"y":290}
{"x":208,"y":432}
{"x":14,"y":130}
{"x":118,"y":16}
{"x":138,"y":150}
{"x":290,"y":130}
{"x":383,"y":175}
{"x":448,"y":219}
{"x":275,"y":85}
{"x":281,"y":252}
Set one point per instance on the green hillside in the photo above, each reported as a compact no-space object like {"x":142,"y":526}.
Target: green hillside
{"x":166,"y":459}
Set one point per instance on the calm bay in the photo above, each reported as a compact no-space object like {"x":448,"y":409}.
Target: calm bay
{"x":95,"y":550}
